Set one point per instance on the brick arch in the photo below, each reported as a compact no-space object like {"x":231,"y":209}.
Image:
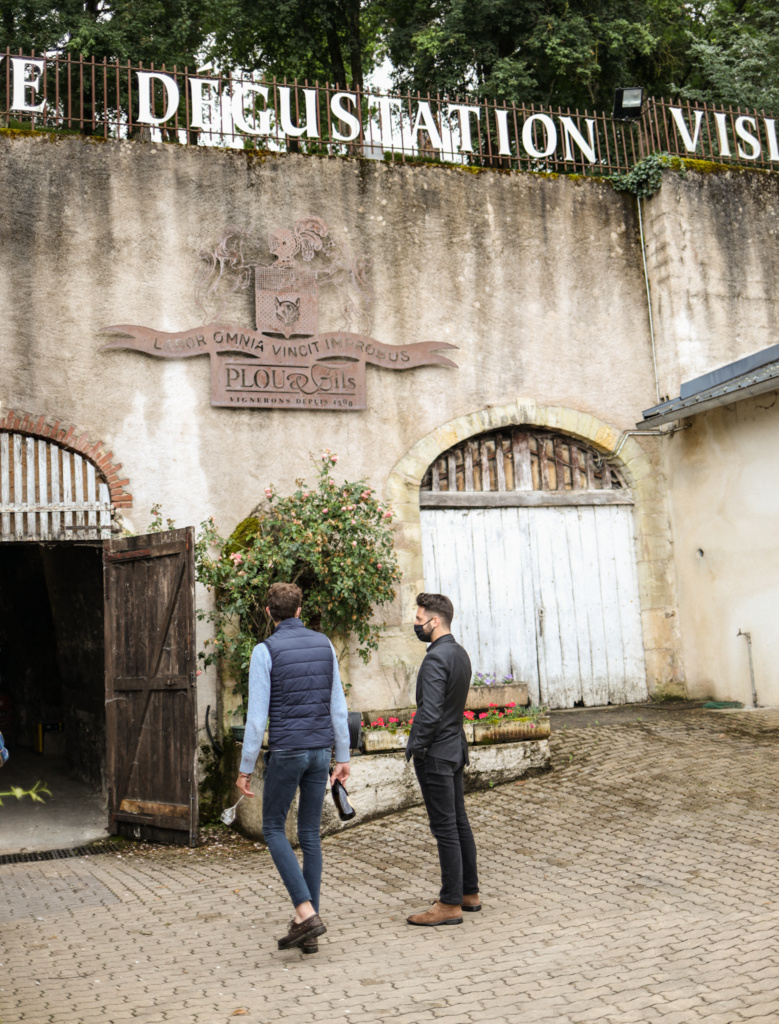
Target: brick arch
{"x":74,"y":440}
{"x":652,"y":529}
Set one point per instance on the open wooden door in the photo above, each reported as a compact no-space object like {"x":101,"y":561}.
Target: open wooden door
{"x":151,"y":713}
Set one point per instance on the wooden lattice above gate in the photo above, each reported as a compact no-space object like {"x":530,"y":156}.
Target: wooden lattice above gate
{"x":48,"y":492}
{"x":518,"y":466}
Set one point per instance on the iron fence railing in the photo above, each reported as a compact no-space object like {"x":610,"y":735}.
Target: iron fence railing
{"x":120,"y":101}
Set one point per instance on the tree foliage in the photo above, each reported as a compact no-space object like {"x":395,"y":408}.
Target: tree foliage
{"x":574,"y":53}
{"x":551,"y":52}
{"x":333,"y":540}
{"x":325,"y":40}
{"x":163,"y":31}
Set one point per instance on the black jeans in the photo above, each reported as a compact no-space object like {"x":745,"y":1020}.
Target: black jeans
{"x":441,"y":783}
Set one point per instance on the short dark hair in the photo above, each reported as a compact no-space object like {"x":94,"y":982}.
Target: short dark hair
{"x":283,"y":600}
{"x":438,"y":604}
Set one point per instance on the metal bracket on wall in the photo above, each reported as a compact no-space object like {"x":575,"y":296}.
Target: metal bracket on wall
{"x":646,"y":433}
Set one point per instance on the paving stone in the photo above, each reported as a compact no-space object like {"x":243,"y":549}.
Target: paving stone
{"x":633,"y":883}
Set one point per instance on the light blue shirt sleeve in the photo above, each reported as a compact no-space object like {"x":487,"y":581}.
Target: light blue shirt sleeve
{"x":259,"y":706}
{"x":339,"y":715}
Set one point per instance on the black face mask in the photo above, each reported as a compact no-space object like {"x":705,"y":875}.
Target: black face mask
{"x":420,"y":632}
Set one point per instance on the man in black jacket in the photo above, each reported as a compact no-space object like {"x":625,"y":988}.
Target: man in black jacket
{"x":440,"y":751}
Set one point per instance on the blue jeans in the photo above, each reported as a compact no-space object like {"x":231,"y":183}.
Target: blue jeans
{"x":286,"y":771}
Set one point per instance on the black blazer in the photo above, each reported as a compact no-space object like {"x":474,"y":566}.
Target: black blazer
{"x":442,"y":689}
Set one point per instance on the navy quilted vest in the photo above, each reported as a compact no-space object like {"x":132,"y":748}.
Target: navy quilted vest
{"x":301,"y":678}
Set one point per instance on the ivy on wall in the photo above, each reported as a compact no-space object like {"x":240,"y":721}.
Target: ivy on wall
{"x":646,"y":177}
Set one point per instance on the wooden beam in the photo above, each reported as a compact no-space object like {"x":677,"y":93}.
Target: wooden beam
{"x":518,"y":499}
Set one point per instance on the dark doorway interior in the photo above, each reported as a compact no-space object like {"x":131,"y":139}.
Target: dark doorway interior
{"x":52,"y":670}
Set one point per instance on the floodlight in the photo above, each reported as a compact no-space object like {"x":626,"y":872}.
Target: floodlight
{"x":627,"y":104}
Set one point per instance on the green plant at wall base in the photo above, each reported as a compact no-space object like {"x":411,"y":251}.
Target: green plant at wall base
{"x":155,"y":526}
{"x":333,"y":540}
{"x":34,"y":794}
{"x":646,"y":178}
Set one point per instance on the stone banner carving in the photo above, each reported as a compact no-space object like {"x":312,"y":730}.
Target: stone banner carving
{"x":286,"y":362}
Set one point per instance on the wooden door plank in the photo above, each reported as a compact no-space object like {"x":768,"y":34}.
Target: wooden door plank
{"x":588,"y":596}
{"x":550,"y":662}
{"x":517,"y":571}
{"x":145,"y":695}
{"x":635,"y":686}
{"x":523,"y":473}
{"x":485,"y":613}
{"x":519,"y":499}
{"x":571,"y":519}
{"x":567,"y":636}
{"x":55,"y":455}
{"x":615,"y":661}
{"x":150,"y":693}
{"x":32,"y":517}
{"x":43,"y":488}
{"x":460,"y":578}
{"x":5,"y":486}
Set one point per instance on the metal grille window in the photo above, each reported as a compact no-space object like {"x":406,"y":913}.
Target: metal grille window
{"x":522,"y":467}
{"x":50,"y":493}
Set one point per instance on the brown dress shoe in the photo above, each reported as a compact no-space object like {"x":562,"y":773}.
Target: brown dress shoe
{"x":439,"y":913}
{"x":310,"y":946}
{"x":298,"y":933}
{"x":472,"y":903}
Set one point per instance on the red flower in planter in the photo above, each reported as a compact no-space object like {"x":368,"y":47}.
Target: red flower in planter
{"x":468,"y":714}
{"x":484,"y":714}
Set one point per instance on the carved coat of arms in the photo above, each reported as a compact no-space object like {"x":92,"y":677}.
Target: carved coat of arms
{"x":285,"y":362}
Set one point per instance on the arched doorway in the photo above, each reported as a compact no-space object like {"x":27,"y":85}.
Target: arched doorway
{"x":530,"y":531}
{"x":55,"y":511}
{"x":97,"y":649}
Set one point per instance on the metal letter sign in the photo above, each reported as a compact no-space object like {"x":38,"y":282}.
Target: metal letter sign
{"x":286,"y":362}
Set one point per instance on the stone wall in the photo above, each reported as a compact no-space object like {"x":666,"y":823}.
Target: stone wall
{"x":538,"y":281}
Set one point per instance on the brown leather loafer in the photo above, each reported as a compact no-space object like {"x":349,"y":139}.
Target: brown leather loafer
{"x":472,"y":903}
{"x":310,"y":946}
{"x":298,"y":933}
{"x":439,"y":913}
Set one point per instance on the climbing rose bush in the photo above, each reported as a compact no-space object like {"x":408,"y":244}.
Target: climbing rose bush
{"x":333,"y":540}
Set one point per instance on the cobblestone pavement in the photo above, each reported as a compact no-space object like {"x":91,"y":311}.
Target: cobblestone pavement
{"x":634,"y":883}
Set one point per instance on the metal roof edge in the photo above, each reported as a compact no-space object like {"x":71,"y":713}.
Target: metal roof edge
{"x":735,"y":390}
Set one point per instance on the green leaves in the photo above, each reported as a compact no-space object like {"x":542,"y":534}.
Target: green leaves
{"x":333,"y":540}
{"x":35,"y":794}
{"x":646,"y":178}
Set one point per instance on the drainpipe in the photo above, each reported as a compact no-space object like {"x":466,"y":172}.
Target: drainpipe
{"x":748,"y":638}
{"x":646,"y":433}
{"x":648,"y":298}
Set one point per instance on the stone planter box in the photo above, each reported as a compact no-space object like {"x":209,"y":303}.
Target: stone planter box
{"x":480,"y":697}
{"x":511,"y":732}
{"x":376,"y":740}
{"x":386,"y":783}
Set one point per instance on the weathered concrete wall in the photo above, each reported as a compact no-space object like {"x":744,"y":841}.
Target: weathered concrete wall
{"x":538,"y":281}
{"x":713,"y":262}
{"x":723,"y":478}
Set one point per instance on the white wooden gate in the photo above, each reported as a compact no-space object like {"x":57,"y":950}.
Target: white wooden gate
{"x":50,"y":493}
{"x":543,"y":580}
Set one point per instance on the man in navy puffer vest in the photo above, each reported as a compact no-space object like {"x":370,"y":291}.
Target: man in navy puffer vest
{"x":294,"y":677}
